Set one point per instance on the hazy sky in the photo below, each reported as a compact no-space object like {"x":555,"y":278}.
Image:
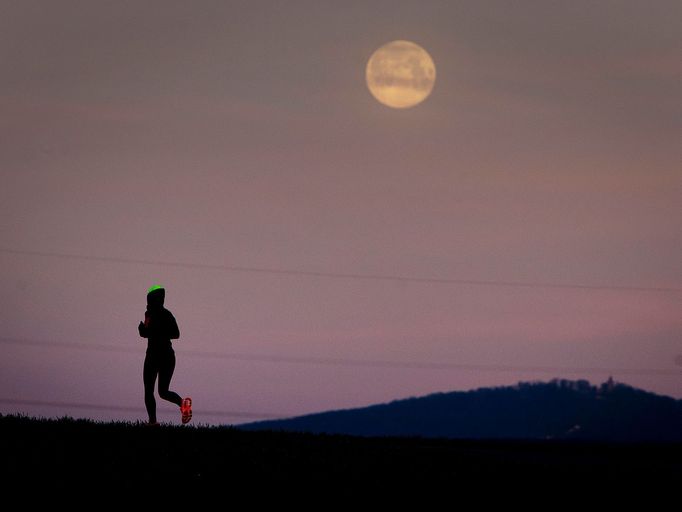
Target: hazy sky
{"x":242,"y":134}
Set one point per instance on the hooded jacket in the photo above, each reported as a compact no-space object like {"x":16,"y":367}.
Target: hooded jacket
{"x":159,"y":325}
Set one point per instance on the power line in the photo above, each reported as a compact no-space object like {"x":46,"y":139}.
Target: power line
{"x":71,"y":345}
{"x":367,"y":363}
{"x":375,"y":363}
{"x":341,"y":275}
{"x":80,"y":405}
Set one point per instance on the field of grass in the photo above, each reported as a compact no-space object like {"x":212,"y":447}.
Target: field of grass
{"x":58,"y":454}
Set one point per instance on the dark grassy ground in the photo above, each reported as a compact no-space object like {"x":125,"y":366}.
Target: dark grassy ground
{"x":49,"y":455}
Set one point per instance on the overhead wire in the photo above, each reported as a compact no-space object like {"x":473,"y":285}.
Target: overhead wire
{"x":345,"y":275}
{"x":122,"y":408}
{"x":349,"y":362}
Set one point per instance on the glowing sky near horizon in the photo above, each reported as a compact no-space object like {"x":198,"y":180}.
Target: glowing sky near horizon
{"x":243,"y":134}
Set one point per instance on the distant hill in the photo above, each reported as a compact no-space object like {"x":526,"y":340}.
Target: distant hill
{"x":559,"y":409}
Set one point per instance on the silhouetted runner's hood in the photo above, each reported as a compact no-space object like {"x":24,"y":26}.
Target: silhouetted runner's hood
{"x":159,"y":325}
{"x":155,"y":298}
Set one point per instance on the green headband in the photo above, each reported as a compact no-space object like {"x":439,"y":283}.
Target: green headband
{"x":154,"y":288}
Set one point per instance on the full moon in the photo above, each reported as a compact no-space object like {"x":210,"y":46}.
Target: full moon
{"x":400,"y":74}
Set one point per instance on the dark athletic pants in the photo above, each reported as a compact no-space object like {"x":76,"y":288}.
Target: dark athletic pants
{"x":161,"y":364}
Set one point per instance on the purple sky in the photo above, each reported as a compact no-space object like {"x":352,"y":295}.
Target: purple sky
{"x":243,"y":134}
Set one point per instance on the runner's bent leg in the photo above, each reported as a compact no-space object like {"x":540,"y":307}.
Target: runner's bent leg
{"x":166,"y":368}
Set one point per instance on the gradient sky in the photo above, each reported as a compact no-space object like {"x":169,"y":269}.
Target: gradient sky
{"x":242,"y":134}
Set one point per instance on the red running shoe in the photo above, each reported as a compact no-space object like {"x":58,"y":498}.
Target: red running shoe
{"x":186,"y":410}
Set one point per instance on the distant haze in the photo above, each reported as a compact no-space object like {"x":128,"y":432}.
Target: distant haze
{"x":241,"y":135}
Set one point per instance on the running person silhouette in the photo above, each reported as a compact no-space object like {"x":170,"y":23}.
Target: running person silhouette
{"x":160,"y":327}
